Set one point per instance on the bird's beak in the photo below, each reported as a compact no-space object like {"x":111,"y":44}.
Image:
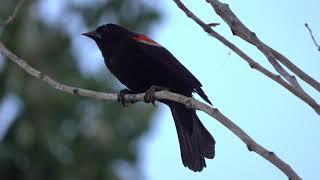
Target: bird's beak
{"x":93,"y":35}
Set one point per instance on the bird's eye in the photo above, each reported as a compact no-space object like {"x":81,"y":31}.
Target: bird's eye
{"x":98,"y":30}
{"x":102,"y":29}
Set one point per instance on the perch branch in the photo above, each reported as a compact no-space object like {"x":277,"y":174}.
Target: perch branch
{"x":253,"y":64}
{"x":188,"y":101}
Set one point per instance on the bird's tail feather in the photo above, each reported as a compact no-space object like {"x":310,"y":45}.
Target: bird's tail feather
{"x":196,"y":143}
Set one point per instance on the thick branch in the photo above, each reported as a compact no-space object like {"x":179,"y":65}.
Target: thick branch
{"x":13,"y":15}
{"x":312,"y":37}
{"x":188,"y":101}
{"x":253,"y":64}
{"x":239,"y":29}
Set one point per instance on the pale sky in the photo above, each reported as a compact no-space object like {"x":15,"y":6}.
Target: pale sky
{"x":270,"y":114}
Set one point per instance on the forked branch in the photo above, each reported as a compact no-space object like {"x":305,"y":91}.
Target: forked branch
{"x":291,"y":85}
{"x":240,"y":30}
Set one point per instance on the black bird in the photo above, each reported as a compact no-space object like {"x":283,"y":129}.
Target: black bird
{"x":141,"y":63}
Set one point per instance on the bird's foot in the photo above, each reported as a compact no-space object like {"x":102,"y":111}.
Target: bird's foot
{"x":121,"y":95}
{"x":149,"y":96}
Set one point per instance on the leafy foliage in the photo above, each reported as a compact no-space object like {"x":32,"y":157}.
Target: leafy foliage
{"x":55,"y":135}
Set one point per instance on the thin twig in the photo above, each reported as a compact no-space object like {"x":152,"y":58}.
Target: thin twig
{"x":239,"y":29}
{"x":253,"y":64}
{"x":311,"y":34}
{"x":213,"y":24}
{"x":13,"y":15}
{"x":191,"y":102}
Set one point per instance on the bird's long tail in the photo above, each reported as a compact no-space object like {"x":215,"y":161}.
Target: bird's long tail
{"x":196,"y":143}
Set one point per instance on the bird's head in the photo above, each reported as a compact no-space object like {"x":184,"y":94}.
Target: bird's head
{"x":109,"y":38}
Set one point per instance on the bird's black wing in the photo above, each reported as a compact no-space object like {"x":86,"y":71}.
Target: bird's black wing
{"x":162,"y":56}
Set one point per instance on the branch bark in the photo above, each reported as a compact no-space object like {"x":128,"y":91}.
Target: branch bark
{"x":294,"y":89}
{"x":13,"y":15}
{"x":240,"y":30}
{"x":251,"y":144}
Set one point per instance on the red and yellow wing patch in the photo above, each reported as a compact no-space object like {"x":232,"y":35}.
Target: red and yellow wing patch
{"x":144,"y":39}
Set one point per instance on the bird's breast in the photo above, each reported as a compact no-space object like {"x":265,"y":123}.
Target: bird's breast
{"x":129,"y":72}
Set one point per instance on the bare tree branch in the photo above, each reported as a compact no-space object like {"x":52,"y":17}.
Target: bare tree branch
{"x":239,"y":29}
{"x":311,"y":34}
{"x":253,"y":64}
{"x":13,"y":15}
{"x":188,"y":101}
{"x":302,"y":75}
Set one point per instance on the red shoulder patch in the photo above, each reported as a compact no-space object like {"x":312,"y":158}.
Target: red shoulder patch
{"x":146,"y":40}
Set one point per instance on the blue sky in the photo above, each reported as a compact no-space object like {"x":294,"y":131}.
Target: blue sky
{"x":266,"y":111}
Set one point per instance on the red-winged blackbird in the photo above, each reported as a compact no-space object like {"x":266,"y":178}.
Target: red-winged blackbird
{"x":140,"y":63}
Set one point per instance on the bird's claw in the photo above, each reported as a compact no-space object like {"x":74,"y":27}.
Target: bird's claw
{"x":149,"y":96}
{"x":121,"y":95}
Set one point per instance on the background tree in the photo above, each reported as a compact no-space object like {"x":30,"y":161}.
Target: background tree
{"x":54,"y":136}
